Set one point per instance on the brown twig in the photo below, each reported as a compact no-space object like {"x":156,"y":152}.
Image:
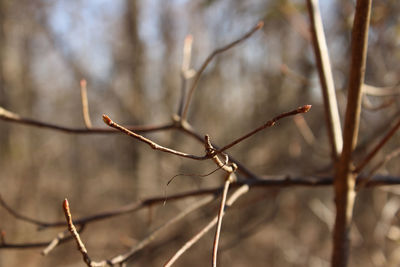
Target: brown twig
{"x":208,"y":60}
{"x":75,"y":234}
{"x":376,"y":149}
{"x":152,"y":144}
{"x":188,"y":129}
{"x":238,"y":193}
{"x":40,"y":224}
{"x":210,"y":151}
{"x":7,"y":115}
{"x":269,"y":123}
{"x":387,"y":158}
{"x":59,"y":239}
{"x":85,"y":104}
{"x":345,"y":178}
{"x":284,"y":181}
{"x":326,"y":79}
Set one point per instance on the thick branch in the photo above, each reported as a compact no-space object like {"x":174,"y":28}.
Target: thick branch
{"x":344,"y":176}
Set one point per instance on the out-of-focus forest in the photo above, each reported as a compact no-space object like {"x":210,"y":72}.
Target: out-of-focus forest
{"x":130,"y":52}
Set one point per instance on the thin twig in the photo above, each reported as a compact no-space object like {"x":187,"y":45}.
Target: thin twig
{"x":7,"y":115}
{"x":75,"y":234}
{"x":376,"y":149}
{"x":269,"y":123}
{"x":135,"y":249}
{"x":221,"y":211}
{"x":85,"y":104}
{"x":210,"y":151}
{"x":152,"y":144}
{"x":387,"y":158}
{"x":278,"y":181}
{"x":209,"y":59}
{"x":62,"y":236}
{"x":238,"y":193}
{"x":188,"y":129}
{"x":40,"y":224}
{"x":326,"y":79}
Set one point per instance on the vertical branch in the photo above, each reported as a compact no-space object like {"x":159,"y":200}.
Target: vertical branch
{"x":85,"y":105}
{"x":325,"y":76}
{"x":345,"y":177}
{"x":228,"y":181}
{"x":185,"y":71}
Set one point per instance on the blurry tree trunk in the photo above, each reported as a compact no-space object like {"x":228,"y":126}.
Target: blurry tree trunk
{"x":4,"y":134}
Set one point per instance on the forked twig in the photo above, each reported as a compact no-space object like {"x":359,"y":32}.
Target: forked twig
{"x":135,"y":249}
{"x":210,"y":152}
{"x":238,"y":193}
{"x":209,"y":59}
{"x":62,"y":236}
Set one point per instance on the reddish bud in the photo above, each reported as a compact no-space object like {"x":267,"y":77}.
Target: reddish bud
{"x":107,"y":119}
{"x":304,"y":109}
{"x":260,"y":24}
{"x":83,"y":83}
{"x":65,"y":204}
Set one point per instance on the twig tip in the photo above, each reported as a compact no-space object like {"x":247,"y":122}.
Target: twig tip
{"x":304,"y":108}
{"x":65,"y":204}
{"x":189,"y":38}
{"x":107,"y":119}
{"x":260,"y":24}
{"x":83,"y":83}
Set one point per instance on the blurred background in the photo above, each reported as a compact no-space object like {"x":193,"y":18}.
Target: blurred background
{"x":130,"y":53}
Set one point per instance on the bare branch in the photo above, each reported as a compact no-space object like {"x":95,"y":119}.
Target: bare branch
{"x":85,"y":104}
{"x":221,"y":211}
{"x":134,"y":250}
{"x":209,"y":59}
{"x":75,"y":234}
{"x":152,"y":144}
{"x":344,"y":177}
{"x":186,"y":72}
{"x":270,"y":123}
{"x":60,"y":236}
{"x":326,"y":79}
{"x":238,"y":193}
{"x":7,"y":115}
{"x":388,"y":157}
{"x":374,"y":151}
